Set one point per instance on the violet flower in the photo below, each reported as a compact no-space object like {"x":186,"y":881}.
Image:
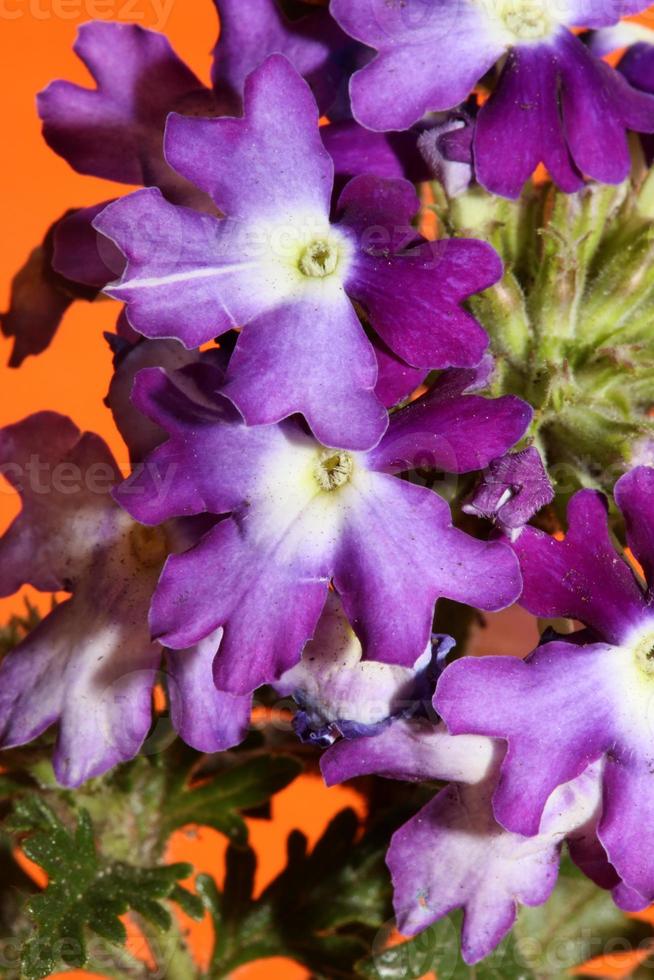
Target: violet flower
{"x":90,"y":665}
{"x":338,"y":693}
{"x":577,"y":701}
{"x":277,"y":267}
{"x":303,"y":515}
{"x":554,"y":101}
{"x":453,"y":853}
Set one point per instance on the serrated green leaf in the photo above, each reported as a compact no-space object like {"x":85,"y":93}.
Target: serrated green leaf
{"x":83,"y":892}
{"x":323,"y":910}
{"x":217,"y":801}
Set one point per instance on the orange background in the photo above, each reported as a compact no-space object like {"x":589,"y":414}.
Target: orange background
{"x":36,"y":38}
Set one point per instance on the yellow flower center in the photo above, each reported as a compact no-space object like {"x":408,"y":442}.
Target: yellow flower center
{"x":333,"y":469}
{"x":644,"y":653}
{"x":318,"y":260}
{"x":527,"y":20}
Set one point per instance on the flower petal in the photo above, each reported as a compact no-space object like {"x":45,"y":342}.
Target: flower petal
{"x":581,"y":577}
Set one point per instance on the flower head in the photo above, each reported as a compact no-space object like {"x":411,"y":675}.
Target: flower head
{"x":90,"y":666}
{"x":574,"y":702}
{"x":280,"y":269}
{"x":554,"y":101}
{"x":302,"y":514}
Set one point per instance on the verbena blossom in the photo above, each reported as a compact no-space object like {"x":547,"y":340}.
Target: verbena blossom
{"x":453,"y":854}
{"x":554,"y":101}
{"x":278,"y":267}
{"x":116,"y":132}
{"x":338,"y":693}
{"x":90,"y":666}
{"x":303,"y":514}
{"x":582,"y":699}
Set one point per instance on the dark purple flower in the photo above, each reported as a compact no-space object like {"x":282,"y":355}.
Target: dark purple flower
{"x":554,"y":102}
{"x":90,"y":665}
{"x":303,"y":515}
{"x":453,"y":854}
{"x":513,"y":489}
{"x":571,"y":704}
{"x":277,"y":266}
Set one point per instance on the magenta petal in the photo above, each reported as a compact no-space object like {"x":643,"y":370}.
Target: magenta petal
{"x":450,"y":430}
{"x":581,"y":577}
{"x":139,"y":433}
{"x":396,"y":380}
{"x":415,"y":750}
{"x":268,"y":611}
{"x":634,"y":495}
{"x":81,"y":254}
{"x":184,"y":272}
{"x":357,"y":151}
{"x":91,"y":672}
{"x":414,"y":298}
{"x":207,"y":719}
{"x":628,"y":808}
{"x":453,"y":854}
{"x":179,"y":477}
{"x":437,"y":559}
{"x":429,"y":57}
{"x":116,"y":130}
{"x":507,"y":698}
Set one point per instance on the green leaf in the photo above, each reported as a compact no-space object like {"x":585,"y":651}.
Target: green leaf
{"x":84,"y":892}
{"x":323,"y":910}
{"x":578,"y":923}
{"x":437,"y":949}
{"x":216,"y":801}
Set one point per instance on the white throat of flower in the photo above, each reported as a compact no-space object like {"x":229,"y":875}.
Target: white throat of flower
{"x":301,"y":256}
{"x":333,"y":468}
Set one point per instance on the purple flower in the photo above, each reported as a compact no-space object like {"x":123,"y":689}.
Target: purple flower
{"x":116,"y":131}
{"x":511,"y":491}
{"x":277,"y":266}
{"x":338,"y":693}
{"x":571,"y":704}
{"x":303,"y":515}
{"x":90,"y":665}
{"x":554,"y":101}
{"x":637,"y":63}
{"x":314,"y":44}
{"x":453,"y":853}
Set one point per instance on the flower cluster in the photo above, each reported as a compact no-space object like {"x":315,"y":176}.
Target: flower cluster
{"x":326,"y":442}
